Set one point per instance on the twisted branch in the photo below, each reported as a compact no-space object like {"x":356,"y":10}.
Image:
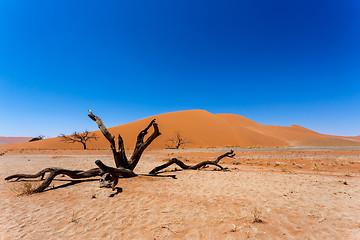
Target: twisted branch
{"x":184,"y":166}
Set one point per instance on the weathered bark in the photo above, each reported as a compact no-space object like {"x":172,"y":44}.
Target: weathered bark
{"x":184,"y":166}
{"x":115,"y":173}
{"x":124,"y":167}
{"x":53,"y":172}
{"x":119,"y":155}
{"x":141,"y":145}
{"x":109,"y":137}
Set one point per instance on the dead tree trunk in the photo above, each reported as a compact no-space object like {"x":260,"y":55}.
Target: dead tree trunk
{"x":119,"y":155}
{"x":184,"y":166}
{"x":124,"y":167}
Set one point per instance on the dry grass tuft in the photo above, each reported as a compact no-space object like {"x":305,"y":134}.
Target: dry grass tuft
{"x":256,"y":213}
{"x":74,"y":217}
{"x":348,"y":175}
{"x":25,"y":188}
{"x":316,"y":168}
{"x":234,"y":162}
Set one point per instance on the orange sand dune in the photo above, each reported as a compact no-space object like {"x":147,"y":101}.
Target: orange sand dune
{"x":204,"y":129}
{"x":9,"y":140}
{"x":357,"y":138}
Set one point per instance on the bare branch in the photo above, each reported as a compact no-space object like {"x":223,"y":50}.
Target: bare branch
{"x":104,"y":130}
{"x":75,"y":174}
{"x":229,"y":154}
{"x":195,"y":167}
{"x":141,"y":146}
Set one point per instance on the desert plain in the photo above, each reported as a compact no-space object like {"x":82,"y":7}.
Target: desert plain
{"x":283,"y":183}
{"x":268,"y":193}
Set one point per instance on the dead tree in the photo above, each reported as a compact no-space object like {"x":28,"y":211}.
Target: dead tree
{"x":124,"y":167}
{"x":81,"y":137}
{"x":40,"y":137}
{"x":176,"y":141}
{"x":184,"y":166}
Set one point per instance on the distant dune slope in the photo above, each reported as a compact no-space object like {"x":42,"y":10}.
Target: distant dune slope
{"x":9,"y":140}
{"x":357,"y":138}
{"x":204,"y":129}
{"x":292,"y":136}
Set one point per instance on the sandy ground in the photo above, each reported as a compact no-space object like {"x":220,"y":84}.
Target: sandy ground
{"x":298,"y":193}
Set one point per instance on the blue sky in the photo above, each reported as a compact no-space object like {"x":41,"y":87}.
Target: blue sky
{"x":275,"y":62}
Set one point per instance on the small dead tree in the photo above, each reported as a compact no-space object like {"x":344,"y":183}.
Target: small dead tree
{"x":177,"y":141}
{"x":81,"y":137}
{"x":40,"y":137}
{"x":184,"y":166}
{"x":124,"y":166}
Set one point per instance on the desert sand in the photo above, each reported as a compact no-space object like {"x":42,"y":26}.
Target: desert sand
{"x":202,"y":129}
{"x":277,"y":187}
{"x":297,"y":193}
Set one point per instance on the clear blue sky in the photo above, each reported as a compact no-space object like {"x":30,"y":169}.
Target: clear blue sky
{"x":275,"y":62}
